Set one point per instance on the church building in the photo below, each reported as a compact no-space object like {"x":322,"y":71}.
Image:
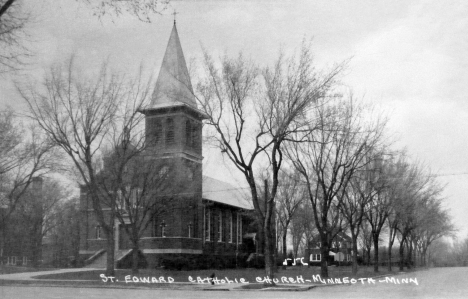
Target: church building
{"x":209,"y":218}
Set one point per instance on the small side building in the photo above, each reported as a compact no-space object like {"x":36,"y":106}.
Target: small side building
{"x":340,"y":250}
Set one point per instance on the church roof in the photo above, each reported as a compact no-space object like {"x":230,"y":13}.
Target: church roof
{"x":173,"y":86}
{"x":221,"y":192}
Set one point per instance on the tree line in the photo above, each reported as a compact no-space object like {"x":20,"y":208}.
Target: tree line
{"x":34,"y":203}
{"x":287,"y":121}
{"x":326,"y":156}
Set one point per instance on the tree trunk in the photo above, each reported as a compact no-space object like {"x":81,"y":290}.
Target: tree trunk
{"x":108,"y":227}
{"x":110,"y":271}
{"x":402,"y":254}
{"x":355,"y":264}
{"x":296,"y":249}
{"x":136,"y":248}
{"x":135,"y":259}
{"x":375,"y":238}
{"x":269,"y":255}
{"x":324,"y":259}
{"x":368,"y":256}
{"x":390,"y":257}
{"x":5,"y":7}
{"x":410,"y":255}
{"x":76,"y":237}
{"x":285,"y":254}
{"x":423,"y":257}
{"x":36,"y":248}
{"x":390,"y":246}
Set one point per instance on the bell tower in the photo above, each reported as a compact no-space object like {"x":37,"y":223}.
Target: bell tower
{"x":174,"y":139}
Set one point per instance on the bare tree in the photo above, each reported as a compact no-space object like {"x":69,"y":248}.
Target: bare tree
{"x":402,"y":190}
{"x":307,"y":219}
{"x":24,"y":155}
{"x":142,"y":9}
{"x":81,"y":116}
{"x":10,"y":141}
{"x":253,"y":116}
{"x":290,"y":197}
{"x":365,"y":240}
{"x":417,"y":188}
{"x":423,"y":220}
{"x":395,"y":193}
{"x":62,"y":241}
{"x":356,"y":198}
{"x":36,"y":214}
{"x":298,"y":229}
{"x":145,"y":190}
{"x":380,"y":204}
{"x":435,"y":225}
{"x":302,"y":227}
{"x":329,"y":157}
{"x":13,"y":21}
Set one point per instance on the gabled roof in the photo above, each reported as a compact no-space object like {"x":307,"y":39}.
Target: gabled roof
{"x":343,"y":237}
{"x":221,"y":192}
{"x":173,"y":86}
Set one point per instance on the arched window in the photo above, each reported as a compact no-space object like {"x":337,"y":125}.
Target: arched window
{"x":154,"y":130}
{"x":155,"y":225}
{"x":163,"y":228}
{"x":170,"y":135}
{"x":98,"y":232}
{"x":229,"y":230}
{"x":207,"y":223}
{"x":195,"y":132}
{"x":188,"y":133}
{"x":190,"y":230}
{"x":220,"y":226}
{"x":195,"y":225}
{"x":120,"y":201}
{"x":239,"y":228}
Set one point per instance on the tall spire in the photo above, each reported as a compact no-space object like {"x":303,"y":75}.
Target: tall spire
{"x":173,"y":86}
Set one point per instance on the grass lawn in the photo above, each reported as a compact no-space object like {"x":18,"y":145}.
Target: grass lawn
{"x":249,"y":275}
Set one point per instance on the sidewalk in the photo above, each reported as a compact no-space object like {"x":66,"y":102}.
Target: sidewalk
{"x":28,"y":279}
{"x":25,"y":276}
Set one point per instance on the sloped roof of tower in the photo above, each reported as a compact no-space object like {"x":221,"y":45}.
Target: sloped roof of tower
{"x":173,"y":86}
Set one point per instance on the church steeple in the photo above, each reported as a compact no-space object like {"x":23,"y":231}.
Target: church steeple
{"x":173,"y":86}
{"x":173,"y":122}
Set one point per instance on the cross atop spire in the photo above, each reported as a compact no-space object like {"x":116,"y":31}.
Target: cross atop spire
{"x":174,"y":14}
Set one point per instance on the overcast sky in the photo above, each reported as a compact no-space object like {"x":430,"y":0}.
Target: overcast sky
{"x":408,"y":57}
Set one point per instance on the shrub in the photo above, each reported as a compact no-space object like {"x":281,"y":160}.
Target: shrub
{"x":201,"y":262}
{"x":175,"y":263}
